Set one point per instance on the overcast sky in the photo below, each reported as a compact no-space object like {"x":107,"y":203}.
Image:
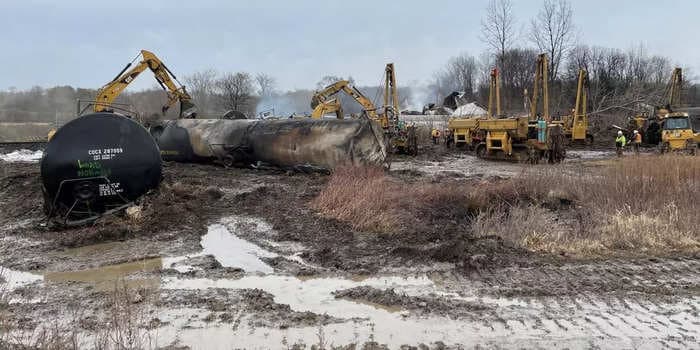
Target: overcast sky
{"x":86,"y":43}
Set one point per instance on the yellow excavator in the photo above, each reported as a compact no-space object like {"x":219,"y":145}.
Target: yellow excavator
{"x":166,"y":79}
{"x":107,"y":94}
{"x":323,"y":102}
{"x":402,"y":137}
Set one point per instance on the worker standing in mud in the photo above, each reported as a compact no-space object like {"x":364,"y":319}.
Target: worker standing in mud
{"x":435,"y":133}
{"x":636,"y":141}
{"x":449,"y":140}
{"x":620,"y":143}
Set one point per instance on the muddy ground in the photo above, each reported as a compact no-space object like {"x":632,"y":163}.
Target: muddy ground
{"x":235,"y":258}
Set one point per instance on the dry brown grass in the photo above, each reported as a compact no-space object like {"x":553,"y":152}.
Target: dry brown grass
{"x":369,"y":200}
{"x":635,"y":205}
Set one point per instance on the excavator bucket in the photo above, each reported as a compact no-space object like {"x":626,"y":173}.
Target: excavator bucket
{"x":188,"y":110}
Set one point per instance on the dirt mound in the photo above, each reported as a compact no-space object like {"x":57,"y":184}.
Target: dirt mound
{"x":423,"y":305}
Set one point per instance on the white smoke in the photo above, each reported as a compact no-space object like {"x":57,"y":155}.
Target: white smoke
{"x":284,"y":105}
{"x":419,"y":96}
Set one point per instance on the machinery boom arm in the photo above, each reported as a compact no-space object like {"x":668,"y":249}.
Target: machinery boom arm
{"x":166,"y":79}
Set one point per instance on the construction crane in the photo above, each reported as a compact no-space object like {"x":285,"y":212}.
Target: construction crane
{"x":494,"y":95}
{"x":166,"y":79}
{"x":576,"y":124}
{"x":465,"y":131}
{"x":529,"y":138}
{"x":540,"y":86}
{"x":403,"y":138}
{"x":672,"y":94}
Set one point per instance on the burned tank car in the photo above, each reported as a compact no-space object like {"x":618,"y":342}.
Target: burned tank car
{"x":95,"y":164}
{"x":305,"y":144}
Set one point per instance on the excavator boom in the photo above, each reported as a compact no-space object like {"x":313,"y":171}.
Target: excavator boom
{"x":166,"y":79}
{"x":321,"y":99}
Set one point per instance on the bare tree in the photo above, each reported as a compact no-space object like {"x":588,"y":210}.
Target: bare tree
{"x":459,"y":74}
{"x":463,"y":69}
{"x":330,"y":79}
{"x":202,"y":86}
{"x":553,"y":32}
{"x":265,"y":84}
{"x":236,"y":90}
{"x":498,"y":28}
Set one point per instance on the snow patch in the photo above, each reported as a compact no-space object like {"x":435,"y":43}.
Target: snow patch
{"x":23,"y":155}
{"x":468,"y":109}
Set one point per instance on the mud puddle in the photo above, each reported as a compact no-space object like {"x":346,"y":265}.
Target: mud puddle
{"x":582,"y":322}
{"x":589,"y":155}
{"x":586,"y":320}
{"x":459,"y":166}
{"x":313,"y":295}
{"x":232,"y":251}
{"x":109,"y":277}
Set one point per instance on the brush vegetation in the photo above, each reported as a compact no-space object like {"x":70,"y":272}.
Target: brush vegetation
{"x":635,"y":205}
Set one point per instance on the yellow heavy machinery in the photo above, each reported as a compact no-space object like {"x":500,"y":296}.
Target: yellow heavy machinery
{"x":323,"y":102}
{"x":670,"y":130}
{"x":530,"y":138}
{"x":465,"y":131}
{"x":677,"y":134}
{"x":166,"y":79}
{"x":402,"y":137}
{"x":328,"y":107}
{"x":576,"y":124}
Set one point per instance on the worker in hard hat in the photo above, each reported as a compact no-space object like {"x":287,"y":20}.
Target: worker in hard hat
{"x":449,"y":139}
{"x":620,"y":142}
{"x":435,"y":135}
{"x":636,"y":141}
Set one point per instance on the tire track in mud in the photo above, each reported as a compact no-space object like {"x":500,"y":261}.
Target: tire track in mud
{"x":646,"y":302}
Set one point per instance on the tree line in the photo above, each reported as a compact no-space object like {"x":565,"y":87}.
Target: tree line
{"x":619,"y":80}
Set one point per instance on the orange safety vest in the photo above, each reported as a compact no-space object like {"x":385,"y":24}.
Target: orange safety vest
{"x":638,"y":138}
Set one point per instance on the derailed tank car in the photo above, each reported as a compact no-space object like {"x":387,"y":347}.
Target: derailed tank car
{"x":95,"y":164}
{"x":288,"y":143}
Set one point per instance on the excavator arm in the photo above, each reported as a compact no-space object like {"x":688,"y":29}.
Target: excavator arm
{"x":321,"y":101}
{"x":166,"y":79}
{"x":329,"y":106}
{"x":366,"y":103}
